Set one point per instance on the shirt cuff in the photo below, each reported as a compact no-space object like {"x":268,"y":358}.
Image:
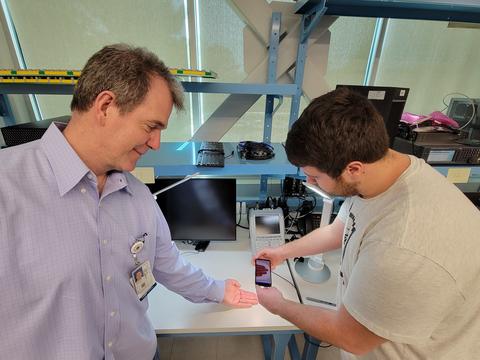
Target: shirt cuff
{"x":216,"y":291}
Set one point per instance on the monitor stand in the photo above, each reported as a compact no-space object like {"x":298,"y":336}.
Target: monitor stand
{"x":202,"y":245}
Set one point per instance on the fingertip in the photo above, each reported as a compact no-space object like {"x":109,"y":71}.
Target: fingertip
{"x":233,"y":282}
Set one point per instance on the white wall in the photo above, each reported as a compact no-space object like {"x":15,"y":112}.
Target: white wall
{"x":61,"y":34}
{"x":432,"y":60}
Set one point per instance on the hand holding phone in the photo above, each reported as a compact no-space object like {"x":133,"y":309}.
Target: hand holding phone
{"x":273,"y":254}
{"x":263,"y":273}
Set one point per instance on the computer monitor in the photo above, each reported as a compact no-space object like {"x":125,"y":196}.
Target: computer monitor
{"x":199,"y":209}
{"x":389,"y":102}
{"x":466,"y":113}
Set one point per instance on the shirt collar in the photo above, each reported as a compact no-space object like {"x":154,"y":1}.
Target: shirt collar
{"x":116,"y":181}
{"x":67,"y":166}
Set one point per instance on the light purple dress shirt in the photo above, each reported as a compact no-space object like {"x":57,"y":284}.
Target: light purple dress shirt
{"x":65,"y":258}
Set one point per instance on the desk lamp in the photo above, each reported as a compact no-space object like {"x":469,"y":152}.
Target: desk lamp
{"x":314,"y":269}
{"x":186,"y":178}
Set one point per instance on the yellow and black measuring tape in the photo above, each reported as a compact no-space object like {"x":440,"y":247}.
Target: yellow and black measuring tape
{"x":43,"y":76}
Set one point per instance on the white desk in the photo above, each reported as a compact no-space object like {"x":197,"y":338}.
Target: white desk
{"x":173,"y":315}
{"x":318,"y":294}
{"x":325,"y":291}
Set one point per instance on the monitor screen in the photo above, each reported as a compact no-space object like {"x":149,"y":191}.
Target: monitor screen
{"x":462,"y":111}
{"x":199,"y":209}
{"x":389,"y":102}
{"x":267,"y":224}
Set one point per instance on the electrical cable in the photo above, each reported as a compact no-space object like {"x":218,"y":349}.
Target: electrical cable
{"x":240,"y":220}
{"x":280,"y":276}
{"x":297,"y":212}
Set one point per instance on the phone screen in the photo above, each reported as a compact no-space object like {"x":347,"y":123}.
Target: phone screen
{"x":263,"y":273}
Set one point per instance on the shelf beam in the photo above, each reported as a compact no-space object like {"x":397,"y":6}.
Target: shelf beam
{"x":441,"y":10}
{"x":227,"y":88}
{"x":194,"y":87}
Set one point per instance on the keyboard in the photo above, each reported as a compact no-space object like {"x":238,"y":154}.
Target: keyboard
{"x":263,"y":243}
{"x":211,"y":154}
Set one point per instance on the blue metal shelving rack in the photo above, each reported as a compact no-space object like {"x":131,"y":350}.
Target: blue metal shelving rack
{"x":181,"y":160}
{"x":311,"y":12}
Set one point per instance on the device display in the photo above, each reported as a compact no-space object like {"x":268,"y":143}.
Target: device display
{"x":263,"y":272}
{"x":199,"y":209}
{"x":440,"y":156}
{"x":267,"y":224}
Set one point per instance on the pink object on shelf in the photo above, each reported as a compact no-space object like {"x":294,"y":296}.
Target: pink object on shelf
{"x":437,"y":117}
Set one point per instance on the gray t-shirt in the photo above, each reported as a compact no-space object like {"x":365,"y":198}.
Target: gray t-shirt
{"x":410,"y":268}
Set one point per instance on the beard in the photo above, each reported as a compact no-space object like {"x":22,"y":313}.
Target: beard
{"x":345,"y":189}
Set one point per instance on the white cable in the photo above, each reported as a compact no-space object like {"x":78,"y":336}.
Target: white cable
{"x":186,"y":178}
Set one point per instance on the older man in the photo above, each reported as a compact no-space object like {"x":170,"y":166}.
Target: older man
{"x":75,"y":225}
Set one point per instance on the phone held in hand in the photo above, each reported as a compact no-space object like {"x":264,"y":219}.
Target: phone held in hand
{"x":263,"y":272}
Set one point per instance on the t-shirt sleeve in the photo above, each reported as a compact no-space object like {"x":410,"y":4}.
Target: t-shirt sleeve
{"x":343,"y":212}
{"x":399,"y":295}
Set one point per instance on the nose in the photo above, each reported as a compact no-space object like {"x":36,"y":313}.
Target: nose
{"x":311,"y":180}
{"x":154,"y":141}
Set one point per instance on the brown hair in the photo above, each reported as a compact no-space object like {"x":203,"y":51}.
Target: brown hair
{"x":126,"y":71}
{"x":336,"y":129}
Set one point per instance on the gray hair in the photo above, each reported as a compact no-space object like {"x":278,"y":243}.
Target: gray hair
{"x":126,"y":71}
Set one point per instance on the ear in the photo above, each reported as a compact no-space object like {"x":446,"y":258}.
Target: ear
{"x":354,"y":170}
{"x":103,"y":105}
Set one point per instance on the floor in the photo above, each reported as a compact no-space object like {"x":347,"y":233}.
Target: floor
{"x":226,"y":347}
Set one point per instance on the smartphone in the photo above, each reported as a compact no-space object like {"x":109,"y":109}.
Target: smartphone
{"x":263,"y":272}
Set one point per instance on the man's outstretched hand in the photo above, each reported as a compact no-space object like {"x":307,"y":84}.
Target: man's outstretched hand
{"x":236,"y":297}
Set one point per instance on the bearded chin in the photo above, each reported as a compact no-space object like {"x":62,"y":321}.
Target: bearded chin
{"x":347,"y":190}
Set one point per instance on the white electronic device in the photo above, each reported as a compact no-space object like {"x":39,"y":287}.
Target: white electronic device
{"x":267,"y":228}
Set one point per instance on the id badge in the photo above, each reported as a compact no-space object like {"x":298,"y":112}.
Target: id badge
{"x":142,"y":280}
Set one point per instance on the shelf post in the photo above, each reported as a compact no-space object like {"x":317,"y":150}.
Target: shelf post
{"x":309,"y":21}
{"x":271,"y":79}
{"x":272,"y":74}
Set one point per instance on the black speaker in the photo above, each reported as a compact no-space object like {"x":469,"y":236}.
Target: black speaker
{"x":23,"y":133}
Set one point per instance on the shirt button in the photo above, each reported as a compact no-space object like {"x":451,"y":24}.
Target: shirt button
{"x":108,"y":278}
{"x":110,"y":344}
{"x":90,"y":176}
{"x":105,"y":242}
{"x":112,"y":314}
{"x":83,"y":191}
